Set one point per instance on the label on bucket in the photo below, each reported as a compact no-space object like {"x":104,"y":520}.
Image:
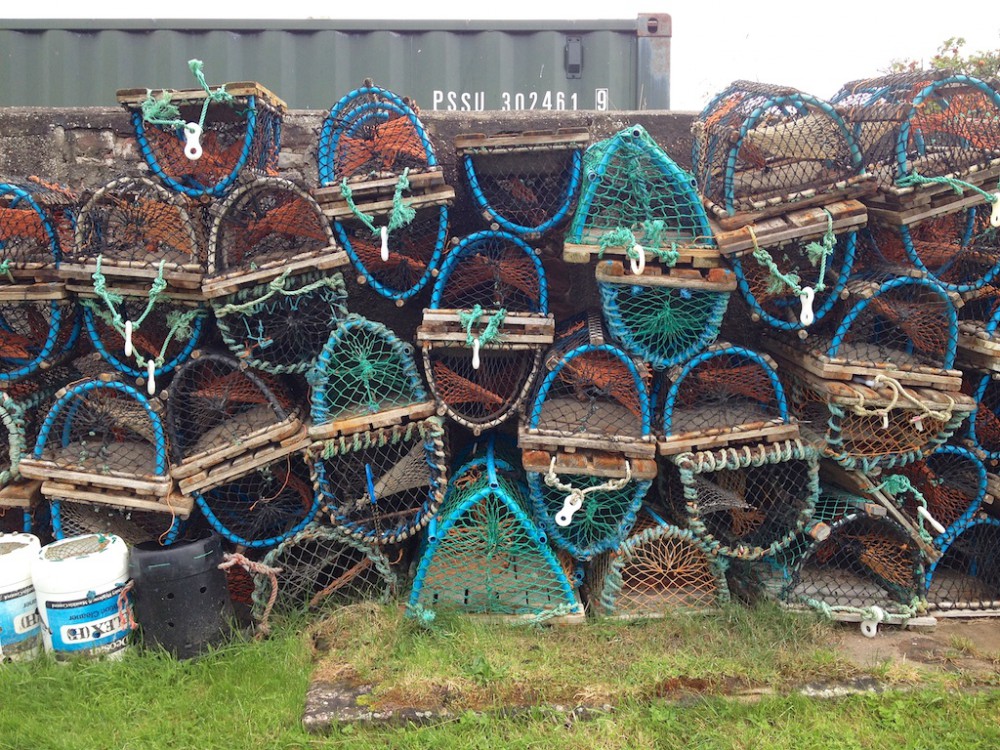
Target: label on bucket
{"x":19,"y":621}
{"x":89,"y":624}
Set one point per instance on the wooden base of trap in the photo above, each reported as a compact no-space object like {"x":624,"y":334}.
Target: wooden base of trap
{"x":229,"y":282}
{"x":799,"y":224}
{"x":259,"y":448}
{"x":963,"y":610}
{"x":518,"y":331}
{"x":976,"y":348}
{"x":562,"y":139}
{"x":853,"y":188}
{"x":708,"y":279}
{"x":186,"y":279}
{"x":24,"y":494}
{"x":145,"y":485}
{"x":33,"y":292}
{"x":905,"y":206}
{"x":173,"y":503}
{"x":84,"y":288}
{"x":839,"y":368}
{"x":593,"y":463}
{"x":551,"y":442}
{"x":376,"y":197}
{"x":891,"y":618}
{"x":690,"y":257}
{"x":572,"y":618}
{"x":133,"y":98}
{"x":772,"y":431}
{"x":364,"y":422}
{"x":27,"y":273}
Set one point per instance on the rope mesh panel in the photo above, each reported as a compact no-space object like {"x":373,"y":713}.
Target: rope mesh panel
{"x":263,"y":507}
{"x":319,"y":568}
{"x":238,"y":137}
{"x":267,"y":221}
{"x":967,"y":576}
{"x":493,"y":271}
{"x":133,"y":223}
{"x":630,"y":183}
{"x":758,"y":141}
{"x":383,"y":486}
{"x":286,"y":331}
{"x":954,"y":126}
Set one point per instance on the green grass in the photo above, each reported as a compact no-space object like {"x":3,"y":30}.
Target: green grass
{"x":251,"y":695}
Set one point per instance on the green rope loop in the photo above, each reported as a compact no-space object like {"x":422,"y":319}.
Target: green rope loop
{"x":164,"y":113}
{"x":468,"y":321}
{"x":653,"y":230}
{"x":400,"y":215}
{"x":897,"y":484}
{"x":278,"y":285}
{"x":959,"y":186}
{"x":5,"y":269}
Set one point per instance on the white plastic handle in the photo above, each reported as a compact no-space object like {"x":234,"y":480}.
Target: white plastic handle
{"x":995,"y":213}
{"x":192,"y":141}
{"x":638,"y":264}
{"x":570,"y":506}
{"x":807,"y":317}
{"x":128,"y":338}
{"x":151,"y":377}
{"x":384,"y":231}
{"x":918,"y":422}
{"x":869,"y":628}
{"x":475,"y":353}
{"x":885,"y":420}
{"x":926,"y":514}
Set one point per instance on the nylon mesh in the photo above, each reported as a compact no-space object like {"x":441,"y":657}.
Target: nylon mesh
{"x":968,"y":575}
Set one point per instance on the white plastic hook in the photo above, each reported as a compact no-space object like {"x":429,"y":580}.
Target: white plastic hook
{"x":192,"y":141}
{"x":475,"y":353}
{"x":128,"y":338}
{"x":869,"y":628}
{"x":926,"y":514}
{"x":151,"y":377}
{"x":995,"y":213}
{"x":384,"y":231}
{"x":638,"y":263}
{"x":571,"y":505}
{"x":885,"y":420}
{"x":918,"y":422}
{"x":807,"y":316}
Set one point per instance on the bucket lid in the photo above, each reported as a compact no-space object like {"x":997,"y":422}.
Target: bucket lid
{"x":152,"y":563}
{"x":16,"y":554}
{"x":80,"y":562}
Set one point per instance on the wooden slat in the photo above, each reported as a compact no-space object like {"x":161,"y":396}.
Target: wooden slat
{"x":51,"y":290}
{"x":721,"y":437}
{"x":230,"y":282}
{"x":21,"y":494}
{"x":444,"y":325}
{"x":173,"y":503}
{"x":547,"y":441}
{"x":240,"y":466}
{"x":365,"y":422}
{"x":340,"y":210}
{"x":710,"y":279}
{"x":594,"y":463}
{"x":185,"y":96}
{"x":695,"y":257}
{"x":478,"y":143}
{"x":33,"y":468}
{"x":421,"y":181}
{"x":273,"y":433}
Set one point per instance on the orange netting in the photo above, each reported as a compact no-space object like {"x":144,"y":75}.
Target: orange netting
{"x":921,"y":321}
{"x":714,"y":377}
{"x":216,"y":163}
{"x":607,"y":374}
{"x":452,"y":388}
{"x":379,"y":148}
{"x":492,"y":272}
{"x":964,"y":118}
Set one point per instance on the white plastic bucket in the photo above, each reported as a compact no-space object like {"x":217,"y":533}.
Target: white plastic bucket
{"x":20,"y":631}
{"x":79,"y":583}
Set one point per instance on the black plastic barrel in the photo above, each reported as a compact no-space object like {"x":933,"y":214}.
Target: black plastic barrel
{"x":181,"y":599}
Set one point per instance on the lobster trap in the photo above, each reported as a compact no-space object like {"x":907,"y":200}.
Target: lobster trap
{"x":36,"y":229}
{"x":364,"y":378}
{"x":70,"y":517}
{"x":902,"y":332}
{"x":960,"y":249}
{"x":199,"y":141}
{"x":381,"y":184}
{"x":916,"y":127}
{"x":484,"y":555}
{"x":586,"y":501}
{"x":36,"y":334}
{"x":593,"y":395}
{"x":136,"y":233}
{"x":941,"y":490}
{"x":525,"y":182}
{"x":483,"y":336}
{"x":266,"y":228}
{"x":321,"y":567}
{"x":761,"y":150}
{"x":978,"y":339}
{"x":744,"y":502}
{"x":664,"y":318}
{"x":384,"y":485}
{"x":966,"y":579}
{"x":281,"y":327}
{"x":262,"y":505}
{"x":102,"y":442}
{"x":724,"y":396}
{"x":983,"y":428}
{"x":658,"y":569}
{"x":141,"y":337}
{"x":637,"y":203}
{"x":225,"y":420}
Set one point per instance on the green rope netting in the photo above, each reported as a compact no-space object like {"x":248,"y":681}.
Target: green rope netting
{"x":469,"y":319}
{"x":914,"y":178}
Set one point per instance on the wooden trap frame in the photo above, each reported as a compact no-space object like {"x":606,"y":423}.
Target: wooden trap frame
{"x":725,"y":396}
{"x":267,"y":227}
{"x":225,"y":421}
{"x":238,"y":132}
{"x":637,"y":204}
{"x":525,"y":182}
{"x":483,"y":336}
{"x":73,"y":517}
{"x":762,"y":150}
{"x":36,"y":229}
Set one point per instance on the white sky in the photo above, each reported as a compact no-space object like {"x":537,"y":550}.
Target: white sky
{"x":814,"y":46}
